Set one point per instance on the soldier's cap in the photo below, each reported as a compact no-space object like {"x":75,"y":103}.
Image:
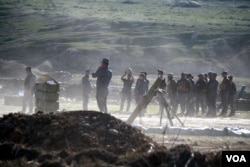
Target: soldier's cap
{"x":105,"y":61}
{"x":142,"y":75}
{"x":160,"y":71}
{"x":210,"y":73}
{"x":190,"y":76}
{"x":183,"y":73}
{"x":224,"y":72}
{"x":200,"y":75}
{"x":87,"y":70}
{"x":230,"y":77}
{"x":28,"y":68}
{"x":130,"y":69}
{"x":170,"y":74}
{"x":145,"y":73}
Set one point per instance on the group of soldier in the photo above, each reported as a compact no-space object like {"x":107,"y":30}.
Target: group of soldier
{"x":191,"y":96}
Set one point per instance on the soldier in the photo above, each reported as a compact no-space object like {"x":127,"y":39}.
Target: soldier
{"x":161,"y":91}
{"x":140,"y":90}
{"x":205,"y":77}
{"x":86,"y":88}
{"x":127,"y":80}
{"x":103,"y":75}
{"x":200,"y":92}
{"x":211,"y":94}
{"x":191,"y":96}
{"x":29,"y":90}
{"x":232,"y":95}
{"x":183,"y":87}
{"x":224,"y":92}
{"x":172,"y":93}
{"x":147,"y":87}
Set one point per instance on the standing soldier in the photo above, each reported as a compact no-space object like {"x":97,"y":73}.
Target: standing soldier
{"x":86,"y":85}
{"x":191,"y":96}
{"x":224,"y":92}
{"x":147,"y":81}
{"x":127,"y":80}
{"x":232,"y":95}
{"x":183,"y":88}
{"x":211,"y":91}
{"x":140,"y":90}
{"x":103,"y":75}
{"x":29,"y":90}
{"x":161,"y":91}
{"x":172,"y":93}
{"x":200,"y":92}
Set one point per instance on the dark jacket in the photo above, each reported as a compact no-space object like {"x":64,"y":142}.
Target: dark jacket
{"x":212,"y":87}
{"x":86,"y":84}
{"x":163,"y":84}
{"x":103,"y":76}
{"x":232,"y":89}
{"x":140,"y":88}
{"x":224,"y":86}
{"x":127,"y":84}
{"x":29,"y":82}
{"x":200,"y":86}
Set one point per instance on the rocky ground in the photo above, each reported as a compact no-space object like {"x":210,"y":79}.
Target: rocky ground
{"x":86,"y":138}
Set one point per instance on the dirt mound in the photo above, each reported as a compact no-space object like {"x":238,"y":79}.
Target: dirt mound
{"x":85,"y":138}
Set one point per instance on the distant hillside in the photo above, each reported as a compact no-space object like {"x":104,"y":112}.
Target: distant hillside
{"x":147,"y":35}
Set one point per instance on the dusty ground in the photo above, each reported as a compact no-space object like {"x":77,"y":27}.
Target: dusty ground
{"x":198,"y":143}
